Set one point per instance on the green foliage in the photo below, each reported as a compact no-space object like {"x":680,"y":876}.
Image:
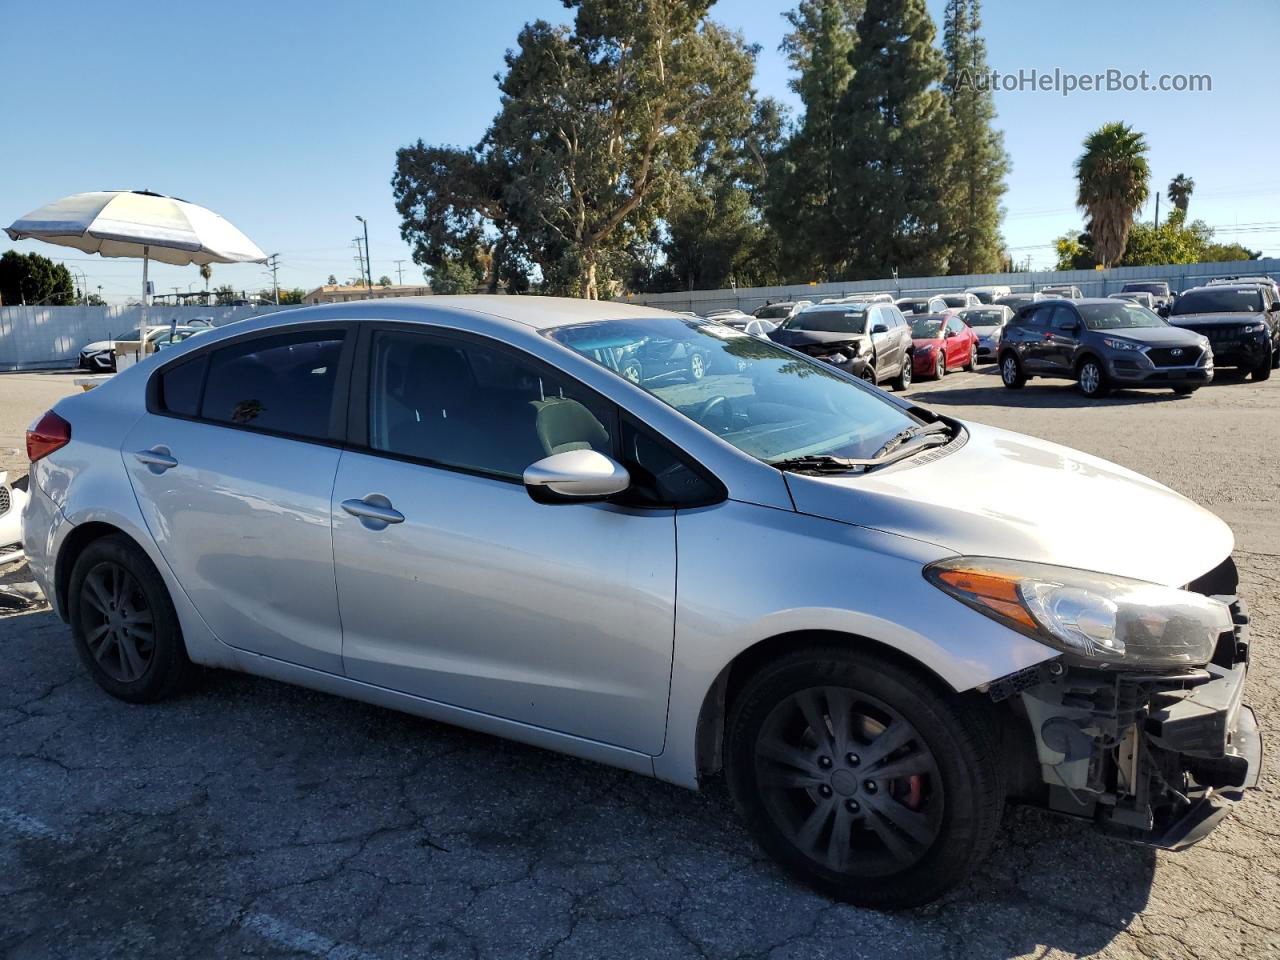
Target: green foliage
{"x":332,"y":281}
{"x":896,"y":150}
{"x":34,"y":280}
{"x":206,"y":273}
{"x":803,"y":181}
{"x":384,"y":281}
{"x":981,"y":164}
{"x":598,"y":125}
{"x":453,"y":276}
{"x":1112,"y":177}
{"x":1173,"y":241}
{"x":225,"y":295}
{"x":292,"y":296}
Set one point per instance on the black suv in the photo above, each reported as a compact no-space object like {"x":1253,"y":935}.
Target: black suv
{"x":1102,"y":344}
{"x":1242,"y":321}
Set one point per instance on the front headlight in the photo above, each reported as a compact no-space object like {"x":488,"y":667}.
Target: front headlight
{"x":1095,"y":618}
{"x":1256,"y":327}
{"x":1121,"y":344}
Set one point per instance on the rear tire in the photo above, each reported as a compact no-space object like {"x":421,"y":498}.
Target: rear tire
{"x":804,"y":760}
{"x":973,"y":358}
{"x":903,"y":380}
{"x":1011,"y":374}
{"x":125,"y":628}
{"x":1092,"y":379}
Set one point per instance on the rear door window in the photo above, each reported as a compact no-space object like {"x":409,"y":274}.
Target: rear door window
{"x":282,"y":384}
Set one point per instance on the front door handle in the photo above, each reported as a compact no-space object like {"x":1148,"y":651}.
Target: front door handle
{"x":158,"y":459}
{"x":375,"y":508}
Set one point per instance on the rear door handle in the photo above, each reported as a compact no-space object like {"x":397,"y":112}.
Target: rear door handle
{"x":375,"y":508}
{"x":158,"y":458}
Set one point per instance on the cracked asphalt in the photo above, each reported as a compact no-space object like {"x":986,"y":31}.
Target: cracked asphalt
{"x":250,"y":818}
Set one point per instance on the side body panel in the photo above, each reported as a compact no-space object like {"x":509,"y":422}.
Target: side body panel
{"x":837,"y":577}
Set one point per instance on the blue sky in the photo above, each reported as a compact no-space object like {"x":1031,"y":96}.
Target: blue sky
{"x":285,"y":116}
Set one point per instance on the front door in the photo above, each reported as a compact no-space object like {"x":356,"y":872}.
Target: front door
{"x":459,"y":588}
{"x":233,"y":466}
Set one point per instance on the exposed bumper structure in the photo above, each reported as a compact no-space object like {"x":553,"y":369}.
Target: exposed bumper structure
{"x":1156,"y":759}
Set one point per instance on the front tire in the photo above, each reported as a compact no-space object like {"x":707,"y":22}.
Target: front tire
{"x":940,"y":367}
{"x":1093,"y":379}
{"x":863,"y":779}
{"x":1263,"y":371}
{"x":1011,"y":374}
{"x":125,"y":629}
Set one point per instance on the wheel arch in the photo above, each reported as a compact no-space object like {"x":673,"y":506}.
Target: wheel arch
{"x":716,"y":703}
{"x":73,"y":545}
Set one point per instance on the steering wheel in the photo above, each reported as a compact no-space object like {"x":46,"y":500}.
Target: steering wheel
{"x":717,"y":406}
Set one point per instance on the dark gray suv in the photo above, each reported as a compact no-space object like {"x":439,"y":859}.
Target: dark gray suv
{"x":1102,"y":344}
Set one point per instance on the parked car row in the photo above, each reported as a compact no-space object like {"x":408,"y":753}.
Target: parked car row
{"x":100,"y":356}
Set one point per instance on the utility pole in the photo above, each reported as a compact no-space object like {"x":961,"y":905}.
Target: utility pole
{"x":1157,"y":209}
{"x":359,"y":257}
{"x":368,"y":267}
{"x":399,"y":272}
{"x":273,"y":264}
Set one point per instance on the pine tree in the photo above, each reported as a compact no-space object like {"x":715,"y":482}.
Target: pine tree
{"x":895,"y":156}
{"x":802,"y":180}
{"x":981,"y":163}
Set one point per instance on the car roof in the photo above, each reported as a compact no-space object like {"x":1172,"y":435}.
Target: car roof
{"x":1216,"y":287}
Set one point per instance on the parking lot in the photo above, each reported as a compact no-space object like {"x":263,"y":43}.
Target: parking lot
{"x":254,"y":818}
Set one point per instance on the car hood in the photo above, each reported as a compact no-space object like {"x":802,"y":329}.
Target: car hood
{"x":984,"y":329}
{"x":98,"y":346}
{"x":1153,"y":336}
{"x":926,"y":341}
{"x":1238,"y":319}
{"x":1003,"y":494}
{"x":807,"y":338}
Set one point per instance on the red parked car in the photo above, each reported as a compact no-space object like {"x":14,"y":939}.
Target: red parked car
{"x":942,"y":342}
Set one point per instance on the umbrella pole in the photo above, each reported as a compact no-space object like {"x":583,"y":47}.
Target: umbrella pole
{"x":146,"y":256}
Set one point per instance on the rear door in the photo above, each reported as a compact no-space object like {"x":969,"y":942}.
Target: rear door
{"x":1026,"y":336}
{"x":233,"y":464}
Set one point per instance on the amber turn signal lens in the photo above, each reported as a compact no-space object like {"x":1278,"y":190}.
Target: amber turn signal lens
{"x":997,"y":592}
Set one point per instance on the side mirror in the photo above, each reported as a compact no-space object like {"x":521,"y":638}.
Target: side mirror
{"x":879,"y":328}
{"x":950,"y":334}
{"x":575,"y":476}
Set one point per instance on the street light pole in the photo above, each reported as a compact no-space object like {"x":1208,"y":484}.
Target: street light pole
{"x":368,"y":269}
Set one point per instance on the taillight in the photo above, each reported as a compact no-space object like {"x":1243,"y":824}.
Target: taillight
{"x":46,"y":435}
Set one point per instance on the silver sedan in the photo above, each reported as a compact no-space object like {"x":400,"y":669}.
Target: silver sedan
{"x":465,"y":509}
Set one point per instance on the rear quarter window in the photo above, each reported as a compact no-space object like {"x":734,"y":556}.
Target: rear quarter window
{"x":181,"y":386}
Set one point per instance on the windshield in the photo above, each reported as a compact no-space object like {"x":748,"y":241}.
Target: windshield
{"x":926,"y":328}
{"x":1159,"y":289}
{"x":956,"y":300}
{"x":1225,"y":300}
{"x":774,"y":311}
{"x":983,"y":318}
{"x":984,"y":296}
{"x":914,"y":306}
{"x":828,"y":320}
{"x":1117,"y":316}
{"x":767,"y":401}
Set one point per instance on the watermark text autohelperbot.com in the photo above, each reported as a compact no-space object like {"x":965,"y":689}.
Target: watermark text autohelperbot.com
{"x":1065,"y":83}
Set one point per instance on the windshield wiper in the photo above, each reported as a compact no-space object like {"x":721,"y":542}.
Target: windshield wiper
{"x":897,"y":448}
{"x":910,"y":433}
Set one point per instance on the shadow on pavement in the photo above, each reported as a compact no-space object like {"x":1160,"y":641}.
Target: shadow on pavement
{"x":384,"y":835}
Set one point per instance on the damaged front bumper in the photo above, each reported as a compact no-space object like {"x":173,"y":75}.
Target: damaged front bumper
{"x":1157,"y":759}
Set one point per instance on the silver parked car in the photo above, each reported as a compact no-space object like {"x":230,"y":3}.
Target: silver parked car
{"x":461,"y":507}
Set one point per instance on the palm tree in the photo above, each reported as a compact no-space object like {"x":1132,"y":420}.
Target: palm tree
{"x":206,"y":272}
{"x":1180,"y":189}
{"x":1113,"y":175}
